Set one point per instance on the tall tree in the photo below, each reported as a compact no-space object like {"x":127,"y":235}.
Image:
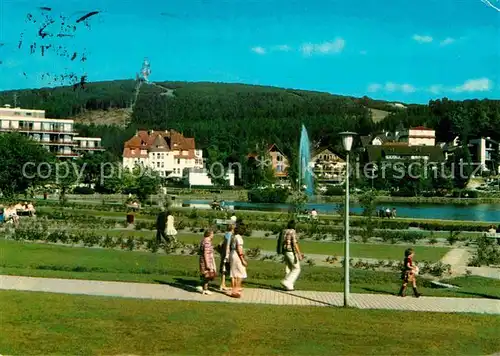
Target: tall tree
{"x":23,"y":164}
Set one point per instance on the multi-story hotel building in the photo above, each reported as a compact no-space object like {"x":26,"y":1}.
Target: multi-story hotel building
{"x":56,"y":135}
{"x":167,"y":152}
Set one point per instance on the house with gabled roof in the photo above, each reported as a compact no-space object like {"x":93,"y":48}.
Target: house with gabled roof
{"x":167,"y":152}
{"x":277,"y":159}
{"x":327,"y":165}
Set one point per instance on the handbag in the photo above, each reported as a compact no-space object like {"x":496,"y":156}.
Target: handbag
{"x":210,"y":275}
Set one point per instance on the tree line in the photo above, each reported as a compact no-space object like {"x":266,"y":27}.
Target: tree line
{"x":228,"y":121}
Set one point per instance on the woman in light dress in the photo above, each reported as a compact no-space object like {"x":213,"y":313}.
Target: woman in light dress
{"x":207,"y":262}
{"x":238,"y":262}
{"x":171,"y":232}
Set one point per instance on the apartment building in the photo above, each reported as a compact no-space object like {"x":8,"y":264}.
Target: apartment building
{"x":88,"y":144}
{"x":56,"y":135}
{"x":418,"y":136}
{"x":486,"y":153}
{"x":167,"y":152}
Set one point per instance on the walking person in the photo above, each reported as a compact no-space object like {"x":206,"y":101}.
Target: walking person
{"x":408,"y":274}
{"x":293,"y":256}
{"x":161,"y":223}
{"x":238,"y":262}
{"x":207,"y":262}
{"x":225,"y":249}
{"x":171,"y":231}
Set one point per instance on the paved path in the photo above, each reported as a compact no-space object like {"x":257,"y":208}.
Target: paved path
{"x":252,"y":296}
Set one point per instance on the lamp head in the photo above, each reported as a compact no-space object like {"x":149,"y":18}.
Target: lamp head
{"x":347,"y":140}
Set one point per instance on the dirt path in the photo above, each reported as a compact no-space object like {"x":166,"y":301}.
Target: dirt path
{"x":458,"y":258}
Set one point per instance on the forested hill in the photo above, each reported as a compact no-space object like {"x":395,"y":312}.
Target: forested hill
{"x":211,"y":112}
{"x":229,"y":120}
{"x":195,"y":100}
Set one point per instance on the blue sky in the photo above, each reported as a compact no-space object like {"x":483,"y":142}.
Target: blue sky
{"x":397,"y":50}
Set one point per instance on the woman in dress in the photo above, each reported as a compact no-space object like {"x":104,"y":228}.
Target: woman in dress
{"x":171,"y":232}
{"x":409,"y":274}
{"x":225,"y":266}
{"x":207,"y":262}
{"x":237,"y":262}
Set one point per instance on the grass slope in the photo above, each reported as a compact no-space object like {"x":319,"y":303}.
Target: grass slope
{"x":41,"y":323}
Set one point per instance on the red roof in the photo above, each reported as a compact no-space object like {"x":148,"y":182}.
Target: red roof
{"x":174,"y":140}
{"x":421,"y":128}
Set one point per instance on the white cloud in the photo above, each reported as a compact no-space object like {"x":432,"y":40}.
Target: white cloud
{"x":473,"y":85}
{"x":436,"y":88}
{"x":372,"y":88}
{"x":422,"y":39}
{"x":391,"y":87}
{"x":335,"y":46}
{"x":407,"y":88}
{"x":259,"y":50}
{"x":447,"y":41}
{"x":283,"y":48}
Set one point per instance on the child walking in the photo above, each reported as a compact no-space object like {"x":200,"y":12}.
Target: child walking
{"x":409,"y":274}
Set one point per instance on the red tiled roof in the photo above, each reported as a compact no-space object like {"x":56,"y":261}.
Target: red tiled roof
{"x":421,"y":128}
{"x":174,"y":140}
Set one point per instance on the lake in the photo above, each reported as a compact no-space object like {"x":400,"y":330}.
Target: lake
{"x":473,"y":212}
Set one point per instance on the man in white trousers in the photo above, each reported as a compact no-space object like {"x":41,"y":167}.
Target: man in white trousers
{"x":293,"y":256}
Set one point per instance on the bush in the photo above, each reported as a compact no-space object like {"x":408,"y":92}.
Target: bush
{"x":334,"y":191}
{"x":268,"y":195}
{"x":83,"y":190}
{"x":487,"y":252}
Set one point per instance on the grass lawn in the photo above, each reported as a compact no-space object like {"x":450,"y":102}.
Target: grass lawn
{"x":359,"y":250}
{"x":44,"y":323}
{"x":43,"y":260}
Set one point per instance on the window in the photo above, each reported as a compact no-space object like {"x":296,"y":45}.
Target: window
{"x":158,"y":156}
{"x":178,"y":161}
{"x":279,"y":157}
{"x":279,"y":168}
{"x":162,"y":165}
{"x":157,"y":164}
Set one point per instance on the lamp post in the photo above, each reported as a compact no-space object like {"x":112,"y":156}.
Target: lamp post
{"x":347,"y":140}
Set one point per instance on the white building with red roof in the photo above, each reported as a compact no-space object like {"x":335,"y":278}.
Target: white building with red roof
{"x":167,"y":152}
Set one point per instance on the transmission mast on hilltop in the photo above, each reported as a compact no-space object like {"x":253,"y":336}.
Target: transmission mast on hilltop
{"x":15,"y":99}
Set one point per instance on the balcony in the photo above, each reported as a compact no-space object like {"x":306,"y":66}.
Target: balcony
{"x":60,"y":154}
{"x":32,"y":130}
{"x":80,"y":148}
{"x":57,"y":143}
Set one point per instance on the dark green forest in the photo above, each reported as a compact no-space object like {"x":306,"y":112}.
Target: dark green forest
{"x":230,"y":120}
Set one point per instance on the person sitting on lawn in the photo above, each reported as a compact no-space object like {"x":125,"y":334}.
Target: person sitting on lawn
{"x":409,"y":274}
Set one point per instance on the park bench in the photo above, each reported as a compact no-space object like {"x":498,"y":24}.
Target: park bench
{"x":222,"y":222}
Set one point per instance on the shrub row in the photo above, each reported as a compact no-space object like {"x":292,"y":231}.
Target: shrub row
{"x":437,"y":269}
